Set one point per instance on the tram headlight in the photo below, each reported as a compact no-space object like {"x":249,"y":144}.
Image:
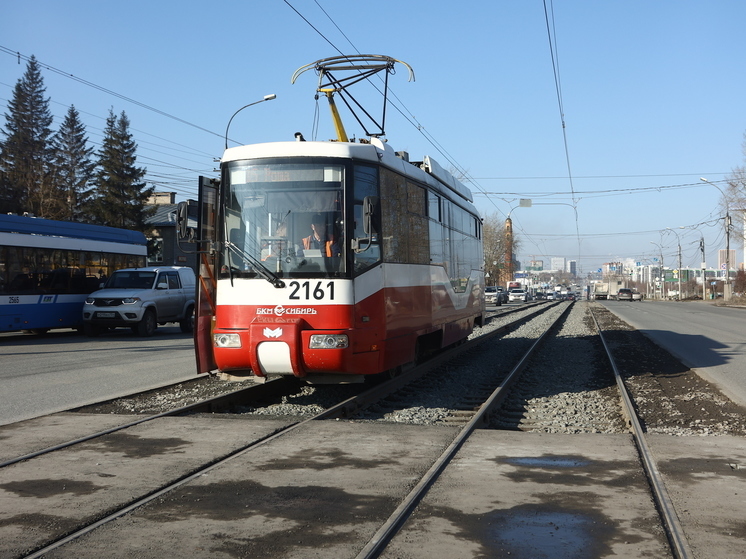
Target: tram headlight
{"x":227,"y":340}
{"x":328,"y":341}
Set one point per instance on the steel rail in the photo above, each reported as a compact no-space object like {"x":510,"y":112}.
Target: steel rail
{"x":674,"y":531}
{"x":261,"y":390}
{"x":271,"y":387}
{"x":393,"y":524}
{"x":338,"y":410}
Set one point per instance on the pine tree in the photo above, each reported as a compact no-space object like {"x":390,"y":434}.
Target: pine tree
{"x":120,"y":194}
{"x":26,"y":183}
{"x":73,"y":166}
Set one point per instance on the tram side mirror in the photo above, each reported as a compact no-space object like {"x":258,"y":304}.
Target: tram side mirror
{"x":370,"y":204}
{"x":182,"y":221}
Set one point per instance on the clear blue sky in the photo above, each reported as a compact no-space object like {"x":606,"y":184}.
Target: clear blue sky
{"x":652,"y":95}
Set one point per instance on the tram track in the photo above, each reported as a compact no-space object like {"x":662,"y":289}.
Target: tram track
{"x":353,"y":407}
{"x":489,"y":413}
{"x":118,"y":434}
{"x":179,"y":399}
{"x":669,"y":517}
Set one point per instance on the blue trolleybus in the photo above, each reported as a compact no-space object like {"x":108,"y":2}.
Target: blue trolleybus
{"x":47,"y":268}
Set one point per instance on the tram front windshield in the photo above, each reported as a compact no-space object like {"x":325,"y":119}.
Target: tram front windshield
{"x":283,"y":219}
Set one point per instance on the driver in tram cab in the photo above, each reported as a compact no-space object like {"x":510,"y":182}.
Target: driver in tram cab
{"x":321,"y":239}
{"x":278,"y":246}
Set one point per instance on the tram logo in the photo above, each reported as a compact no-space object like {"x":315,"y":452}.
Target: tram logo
{"x":270,"y":333}
{"x":279,"y":310}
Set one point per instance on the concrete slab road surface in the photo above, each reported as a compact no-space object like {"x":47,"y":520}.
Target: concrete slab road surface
{"x":536,"y":496}
{"x":324,"y":491}
{"x":532,"y":495}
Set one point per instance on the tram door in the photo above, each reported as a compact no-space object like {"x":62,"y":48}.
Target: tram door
{"x":206,"y":276}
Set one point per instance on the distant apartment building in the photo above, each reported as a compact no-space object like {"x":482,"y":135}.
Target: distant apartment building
{"x":612,"y":268}
{"x":572,"y":267}
{"x":557,"y":264}
{"x":722,"y":253}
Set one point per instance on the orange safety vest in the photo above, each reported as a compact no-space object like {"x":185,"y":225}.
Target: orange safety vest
{"x":328,"y":244}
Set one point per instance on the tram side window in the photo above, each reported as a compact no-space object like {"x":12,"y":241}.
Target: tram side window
{"x":419,"y":234}
{"x":368,"y":252}
{"x":26,"y":271}
{"x":395,"y":225}
{"x":433,"y":206}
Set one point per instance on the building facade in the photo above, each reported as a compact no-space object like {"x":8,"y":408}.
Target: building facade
{"x":163,"y":246}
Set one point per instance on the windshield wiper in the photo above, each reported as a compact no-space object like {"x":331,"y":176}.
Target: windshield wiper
{"x":260,"y":268}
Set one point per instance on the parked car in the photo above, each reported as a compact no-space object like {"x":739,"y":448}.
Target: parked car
{"x":141,"y":299}
{"x":636,"y":296}
{"x":517,"y":295}
{"x":624,"y":294}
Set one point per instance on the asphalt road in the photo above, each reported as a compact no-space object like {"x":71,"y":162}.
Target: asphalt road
{"x":704,"y":337}
{"x":63,"y":369}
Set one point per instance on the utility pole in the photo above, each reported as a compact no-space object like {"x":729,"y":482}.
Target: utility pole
{"x":704,"y":266}
{"x":678,"y":272}
{"x":726,"y":283}
{"x":680,"y":297}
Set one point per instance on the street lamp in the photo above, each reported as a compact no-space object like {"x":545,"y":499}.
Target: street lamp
{"x":726,"y":283}
{"x":678,"y":273}
{"x":265,"y":98}
{"x":661,"y":272}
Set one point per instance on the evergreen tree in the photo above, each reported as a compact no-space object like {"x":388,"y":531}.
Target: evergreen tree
{"x":73,"y":166}
{"x":26,"y":183}
{"x":121,"y":194}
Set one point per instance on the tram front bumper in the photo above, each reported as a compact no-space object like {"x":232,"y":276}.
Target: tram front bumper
{"x":287,"y":348}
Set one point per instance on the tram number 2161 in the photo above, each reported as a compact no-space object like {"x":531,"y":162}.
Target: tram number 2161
{"x":305,"y":291}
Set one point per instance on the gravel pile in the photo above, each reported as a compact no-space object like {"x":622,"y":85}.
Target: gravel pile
{"x":670,"y":398}
{"x":171,"y":397}
{"x":567,"y":388}
{"x":466,"y":383}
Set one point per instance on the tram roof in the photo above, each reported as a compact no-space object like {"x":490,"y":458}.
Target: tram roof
{"x":49,"y":227}
{"x":376,"y":151}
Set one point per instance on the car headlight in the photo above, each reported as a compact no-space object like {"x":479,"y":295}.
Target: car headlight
{"x":328,"y":341}
{"x":90,"y":301}
{"x":130,"y":300}
{"x":227,"y":340}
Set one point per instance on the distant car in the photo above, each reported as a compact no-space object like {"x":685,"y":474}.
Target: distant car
{"x":517,"y":295}
{"x":636,"y":296}
{"x":624,"y":294}
{"x":492,"y":296}
{"x":502,"y":295}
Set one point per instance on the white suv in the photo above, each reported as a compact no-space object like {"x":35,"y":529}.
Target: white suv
{"x":517,"y":295}
{"x":142,"y":298}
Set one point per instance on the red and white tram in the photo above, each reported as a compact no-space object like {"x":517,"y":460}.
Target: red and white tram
{"x":333,"y":260}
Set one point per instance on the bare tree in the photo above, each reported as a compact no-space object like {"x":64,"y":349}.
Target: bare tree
{"x":497,"y":260}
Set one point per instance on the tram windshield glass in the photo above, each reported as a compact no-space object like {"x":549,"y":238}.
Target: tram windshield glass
{"x":283,"y":219}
